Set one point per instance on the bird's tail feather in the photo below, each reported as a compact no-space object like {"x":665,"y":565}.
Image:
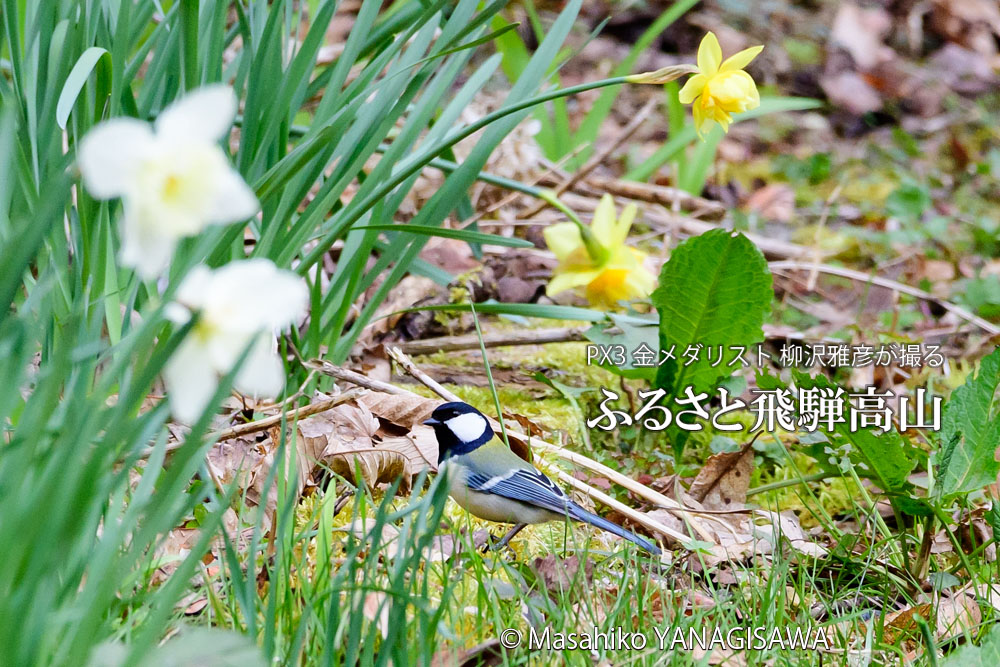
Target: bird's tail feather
{"x":580,"y":514}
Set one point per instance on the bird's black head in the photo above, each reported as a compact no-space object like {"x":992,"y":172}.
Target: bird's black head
{"x":459,"y":428}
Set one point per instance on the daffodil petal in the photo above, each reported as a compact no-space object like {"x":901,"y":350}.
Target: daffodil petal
{"x":240,"y":308}
{"x":603,"y":224}
{"x":709,"y":54}
{"x":190,"y":380}
{"x":641,"y":282}
{"x":752,"y":100}
{"x":232,"y":198}
{"x":282,"y":297}
{"x":109,"y":154}
{"x":624,"y":224}
{"x":563,"y":239}
{"x":702,"y":123}
{"x":195,"y":286}
{"x":724,"y":121}
{"x":224,"y":343}
{"x":204,"y":115}
{"x":565,"y":280}
{"x":145,"y":246}
{"x":262,"y":374}
{"x":177,"y":313}
{"x":738,"y":61}
{"x":278,"y":297}
{"x":692,"y":88}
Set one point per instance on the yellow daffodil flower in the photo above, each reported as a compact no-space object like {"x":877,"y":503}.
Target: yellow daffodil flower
{"x":721,"y":87}
{"x":616,"y":272}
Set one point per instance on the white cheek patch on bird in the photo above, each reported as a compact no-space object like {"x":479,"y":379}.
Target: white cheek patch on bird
{"x":468,"y":427}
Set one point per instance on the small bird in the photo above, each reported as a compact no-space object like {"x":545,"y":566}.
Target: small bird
{"x":495,"y":484}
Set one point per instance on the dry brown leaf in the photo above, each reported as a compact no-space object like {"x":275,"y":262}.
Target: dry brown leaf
{"x":723,"y":481}
{"x":527,"y":425}
{"x":196,"y":607}
{"x":375,"y":364}
{"x":376,"y":610}
{"x":240,"y":460}
{"x":733,"y":548}
{"x":937,"y":270}
{"x":389,"y":320}
{"x":860,"y":32}
{"x":785,"y":525}
{"x":773,"y":202}
{"x":955,"y":615}
{"x":562,"y":574}
{"x":375,"y":465}
{"x":481,"y":655}
{"x":445,"y":546}
{"x":668,"y":519}
{"x":349,"y":437}
{"x":405,"y":410}
{"x":850,"y":91}
{"x":452,"y":255}
{"x":972,"y":23}
{"x":963,"y":70}
{"x":419,"y":447}
{"x":973,"y":531}
{"x":988,"y":593}
{"x":172,"y":550}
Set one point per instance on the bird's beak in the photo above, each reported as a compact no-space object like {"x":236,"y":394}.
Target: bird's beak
{"x":431,"y":422}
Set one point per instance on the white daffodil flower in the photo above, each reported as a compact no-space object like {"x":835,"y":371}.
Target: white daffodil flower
{"x":173,"y":177}
{"x":242,"y":304}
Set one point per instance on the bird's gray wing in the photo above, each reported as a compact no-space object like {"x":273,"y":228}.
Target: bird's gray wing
{"x":528,"y":486}
{"x":532,"y":487}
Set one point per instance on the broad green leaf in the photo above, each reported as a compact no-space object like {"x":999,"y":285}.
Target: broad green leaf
{"x":970,"y":432}
{"x":714,"y":291}
{"x":992,"y":517}
{"x":885,"y":458}
{"x":632,"y":333}
{"x":987,"y":654}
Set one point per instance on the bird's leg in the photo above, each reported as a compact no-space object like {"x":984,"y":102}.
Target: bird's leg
{"x":518,"y":527}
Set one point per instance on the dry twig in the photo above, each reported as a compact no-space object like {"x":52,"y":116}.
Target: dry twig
{"x":400,"y":358}
{"x":660,"y":194}
{"x":249,"y":428}
{"x":596,"y":160}
{"x":326,"y":368}
{"x":861,"y":277}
